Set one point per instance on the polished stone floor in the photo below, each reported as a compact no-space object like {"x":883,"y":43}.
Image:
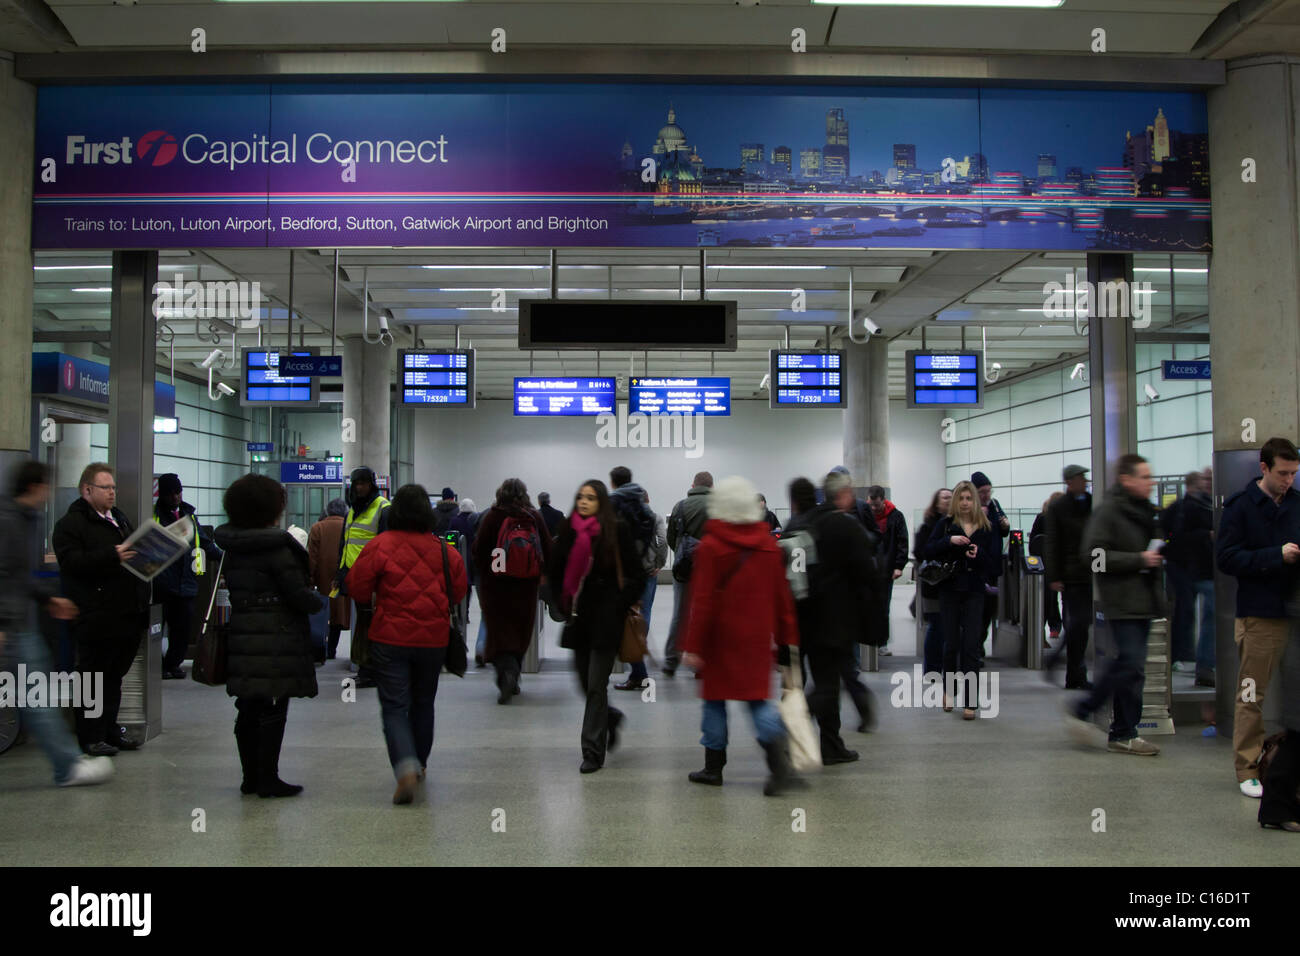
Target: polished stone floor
{"x":504,"y":788}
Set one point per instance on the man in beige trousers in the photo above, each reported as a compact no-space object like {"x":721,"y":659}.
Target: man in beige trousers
{"x":1257,"y":544}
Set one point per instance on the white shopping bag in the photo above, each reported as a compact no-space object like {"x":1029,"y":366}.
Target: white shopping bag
{"x":805,"y":744}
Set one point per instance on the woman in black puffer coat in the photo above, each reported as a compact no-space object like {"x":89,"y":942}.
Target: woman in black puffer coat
{"x":269,"y":655}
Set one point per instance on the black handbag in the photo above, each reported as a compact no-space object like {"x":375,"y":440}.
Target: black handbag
{"x":210,"y":653}
{"x":936,"y":572}
{"x":457,"y":658}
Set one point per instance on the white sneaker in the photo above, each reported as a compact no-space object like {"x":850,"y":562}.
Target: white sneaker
{"x":1252,"y":788}
{"x":88,"y":771}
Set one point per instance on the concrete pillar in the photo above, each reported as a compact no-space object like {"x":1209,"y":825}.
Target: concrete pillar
{"x":1112,"y":378}
{"x":866,"y":427}
{"x":367,"y":374}
{"x":1254,"y":296}
{"x":17,"y":159}
{"x":866,"y":417}
{"x":131,"y":381}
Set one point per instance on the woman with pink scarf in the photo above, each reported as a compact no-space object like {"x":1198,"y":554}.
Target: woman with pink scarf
{"x":595,"y":570}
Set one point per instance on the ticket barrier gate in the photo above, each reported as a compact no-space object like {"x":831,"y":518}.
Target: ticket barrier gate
{"x":1018,"y":630}
{"x":1032,"y":611}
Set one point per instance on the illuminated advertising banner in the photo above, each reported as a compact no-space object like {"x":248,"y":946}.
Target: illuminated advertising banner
{"x":677,"y":165}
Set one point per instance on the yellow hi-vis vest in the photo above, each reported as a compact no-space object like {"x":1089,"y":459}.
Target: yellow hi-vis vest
{"x":198,"y":560}
{"x":360,"y":529}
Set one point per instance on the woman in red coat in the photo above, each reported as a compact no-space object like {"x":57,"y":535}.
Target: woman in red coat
{"x":403,"y":567}
{"x":740,"y":606}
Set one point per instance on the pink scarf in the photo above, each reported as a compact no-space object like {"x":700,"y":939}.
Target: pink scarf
{"x":588,"y":530}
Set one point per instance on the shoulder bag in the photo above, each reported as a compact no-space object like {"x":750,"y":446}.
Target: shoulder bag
{"x":210,"y":651}
{"x":633,"y":647}
{"x":804,"y":743}
{"x":457,"y":659}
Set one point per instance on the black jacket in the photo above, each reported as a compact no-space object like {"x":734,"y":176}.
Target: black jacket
{"x":918,"y":550}
{"x":1064,"y":525}
{"x":597,"y":619}
{"x":93,"y":577}
{"x":178,"y":578}
{"x":443,"y":513}
{"x":1122,"y":527}
{"x":970,"y":574}
{"x":1188,"y":525}
{"x":1251,"y":534}
{"x":1038,"y":534}
{"x":553,"y":518}
{"x":845,"y":605}
{"x":892,"y":546}
{"x":20,"y":559}
{"x":271,"y":595}
{"x":995,"y":515}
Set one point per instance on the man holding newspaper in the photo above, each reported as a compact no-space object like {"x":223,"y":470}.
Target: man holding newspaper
{"x":93,"y":546}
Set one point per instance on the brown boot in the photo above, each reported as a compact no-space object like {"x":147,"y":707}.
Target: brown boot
{"x":405,"y":791}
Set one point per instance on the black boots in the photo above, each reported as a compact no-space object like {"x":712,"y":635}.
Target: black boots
{"x":834,"y":751}
{"x":270,"y":734}
{"x":246,"y":739}
{"x":714,"y":761}
{"x":783,"y":778}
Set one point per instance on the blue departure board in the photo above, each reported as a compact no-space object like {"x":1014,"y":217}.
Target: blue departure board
{"x":264,"y":385}
{"x":582,"y":395}
{"x":806,"y":379}
{"x":436,"y":378}
{"x":680,"y":396}
{"x":943,"y":380}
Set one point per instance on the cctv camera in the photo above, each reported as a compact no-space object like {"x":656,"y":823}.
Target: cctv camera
{"x":1152,"y":394}
{"x":225,"y":389}
{"x":764,"y":383}
{"x":215,"y":356}
{"x":871,"y":327}
{"x":1077,"y":372}
{"x":383,"y":322}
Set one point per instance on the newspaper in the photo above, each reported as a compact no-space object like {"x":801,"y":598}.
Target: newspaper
{"x":156,"y":547}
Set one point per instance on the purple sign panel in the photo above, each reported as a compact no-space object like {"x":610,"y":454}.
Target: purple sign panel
{"x":673,"y":165}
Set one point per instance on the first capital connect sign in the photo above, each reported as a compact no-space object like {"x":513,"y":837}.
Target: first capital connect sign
{"x":159,"y":147}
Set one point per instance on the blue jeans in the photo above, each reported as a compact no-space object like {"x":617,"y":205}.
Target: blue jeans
{"x":767,"y":723}
{"x":681,"y":597}
{"x":933,"y":652}
{"x":638,"y":672}
{"x":1122,"y":679}
{"x":1205,"y":656}
{"x":407,"y":679}
{"x":45,"y":724}
{"x":481,"y":644}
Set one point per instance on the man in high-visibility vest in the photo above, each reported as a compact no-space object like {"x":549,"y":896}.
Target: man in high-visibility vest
{"x":176,"y":586}
{"x":367,"y":517}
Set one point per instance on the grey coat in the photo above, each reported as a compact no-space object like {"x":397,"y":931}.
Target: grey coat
{"x":20,"y":559}
{"x":1122,"y":527}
